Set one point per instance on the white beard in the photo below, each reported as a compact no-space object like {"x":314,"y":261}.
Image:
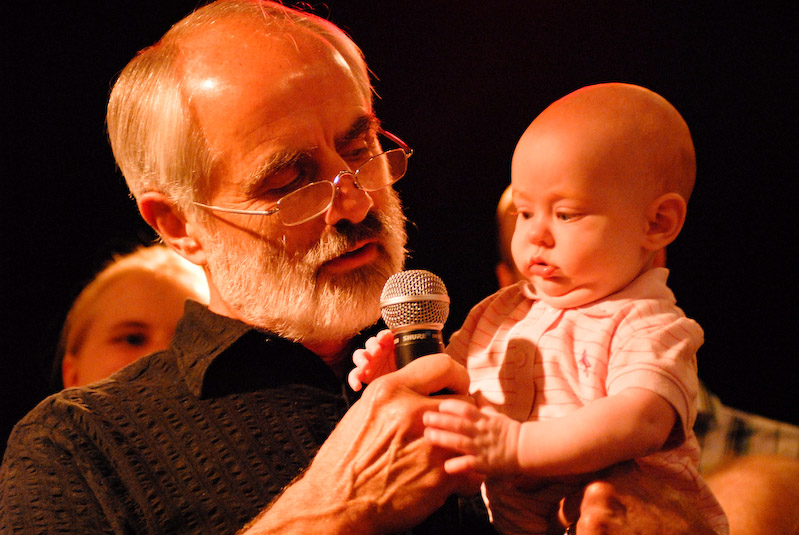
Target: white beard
{"x":291,"y":297}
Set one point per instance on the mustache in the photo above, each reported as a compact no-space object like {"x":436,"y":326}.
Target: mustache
{"x":371,"y":227}
{"x":344,"y":236}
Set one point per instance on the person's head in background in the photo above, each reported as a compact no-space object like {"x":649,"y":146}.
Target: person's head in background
{"x":506,"y":270}
{"x":130,"y":309}
{"x":600,"y":182}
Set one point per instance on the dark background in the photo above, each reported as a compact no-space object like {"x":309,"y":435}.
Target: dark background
{"x":459,"y":81}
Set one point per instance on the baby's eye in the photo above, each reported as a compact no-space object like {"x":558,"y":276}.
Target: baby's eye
{"x":523,"y":214}
{"x":567,"y":216}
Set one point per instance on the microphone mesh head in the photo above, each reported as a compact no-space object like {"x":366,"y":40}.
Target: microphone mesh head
{"x":414,"y":297}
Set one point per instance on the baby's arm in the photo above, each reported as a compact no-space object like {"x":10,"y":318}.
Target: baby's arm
{"x":376,"y":359}
{"x":627,"y":425}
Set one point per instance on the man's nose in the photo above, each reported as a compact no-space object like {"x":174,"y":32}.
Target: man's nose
{"x":350,"y":203}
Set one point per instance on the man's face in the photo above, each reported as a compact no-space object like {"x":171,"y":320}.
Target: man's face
{"x":277,"y":113}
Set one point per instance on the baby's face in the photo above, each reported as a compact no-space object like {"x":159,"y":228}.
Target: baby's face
{"x":580,"y":227}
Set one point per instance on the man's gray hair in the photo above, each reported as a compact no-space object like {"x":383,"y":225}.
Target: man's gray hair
{"x":156,"y":139}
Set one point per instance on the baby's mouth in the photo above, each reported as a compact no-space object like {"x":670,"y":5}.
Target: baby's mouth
{"x":542,"y":269}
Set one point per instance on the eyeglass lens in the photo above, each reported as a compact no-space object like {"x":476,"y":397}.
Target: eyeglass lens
{"x":313,"y":199}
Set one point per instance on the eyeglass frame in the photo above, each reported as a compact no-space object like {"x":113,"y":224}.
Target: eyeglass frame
{"x":334,"y":182}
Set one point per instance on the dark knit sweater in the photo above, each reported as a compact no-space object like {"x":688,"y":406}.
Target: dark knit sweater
{"x":195,"y":439}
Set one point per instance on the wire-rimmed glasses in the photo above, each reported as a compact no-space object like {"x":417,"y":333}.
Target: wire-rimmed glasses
{"x":314,"y":199}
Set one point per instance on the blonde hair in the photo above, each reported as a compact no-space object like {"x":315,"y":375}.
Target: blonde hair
{"x":158,"y":261}
{"x":155,"y":137}
{"x":506,"y":223}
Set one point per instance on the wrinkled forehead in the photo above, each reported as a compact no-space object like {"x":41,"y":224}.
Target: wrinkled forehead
{"x":238,"y":54}
{"x":239,"y":78}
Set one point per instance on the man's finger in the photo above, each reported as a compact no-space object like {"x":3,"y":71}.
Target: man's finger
{"x":433,"y":373}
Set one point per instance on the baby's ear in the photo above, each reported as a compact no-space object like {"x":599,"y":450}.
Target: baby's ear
{"x":665,"y":218}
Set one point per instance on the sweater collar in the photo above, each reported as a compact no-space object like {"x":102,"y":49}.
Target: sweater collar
{"x":218,"y":355}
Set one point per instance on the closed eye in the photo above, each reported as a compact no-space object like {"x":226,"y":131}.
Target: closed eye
{"x":359,"y":143}
{"x":291,"y":176}
{"x":281,"y":174}
{"x":292,"y":179}
{"x":357,"y":157}
{"x":359,"y":150}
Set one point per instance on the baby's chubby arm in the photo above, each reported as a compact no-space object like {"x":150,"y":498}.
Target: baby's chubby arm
{"x":374,"y":360}
{"x":633,"y":423}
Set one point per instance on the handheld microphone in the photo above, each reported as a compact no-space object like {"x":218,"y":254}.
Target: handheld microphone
{"x":414,"y":305}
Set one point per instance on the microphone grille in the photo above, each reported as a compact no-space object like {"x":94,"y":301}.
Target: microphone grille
{"x":412,"y":297}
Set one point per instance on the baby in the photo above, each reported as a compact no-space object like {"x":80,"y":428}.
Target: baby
{"x":588,"y":362}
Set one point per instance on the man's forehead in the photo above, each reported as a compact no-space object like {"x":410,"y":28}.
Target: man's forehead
{"x":235,"y":71}
{"x":241,"y":50}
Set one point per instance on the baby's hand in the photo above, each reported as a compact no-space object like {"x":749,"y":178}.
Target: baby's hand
{"x":487,"y":440}
{"x":376,"y":359}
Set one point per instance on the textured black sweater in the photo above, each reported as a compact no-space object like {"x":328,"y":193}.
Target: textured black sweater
{"x":195,"y":439}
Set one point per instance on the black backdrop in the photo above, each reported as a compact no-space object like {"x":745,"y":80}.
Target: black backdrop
{"x":459,"y":81}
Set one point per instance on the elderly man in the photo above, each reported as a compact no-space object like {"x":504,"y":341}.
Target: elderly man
{"x":248,"y":139}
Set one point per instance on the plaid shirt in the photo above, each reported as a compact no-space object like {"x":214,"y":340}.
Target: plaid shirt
{"x":724,"y":432}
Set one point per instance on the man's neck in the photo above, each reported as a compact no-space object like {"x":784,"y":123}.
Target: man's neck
{"x":333,"y":353}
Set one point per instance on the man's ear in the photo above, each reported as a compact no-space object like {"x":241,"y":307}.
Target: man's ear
{"x":665,"y":218}
{"x":171,"y":224}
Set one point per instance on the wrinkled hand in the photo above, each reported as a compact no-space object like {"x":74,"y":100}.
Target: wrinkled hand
{"x":374,"y":360}
{"x":623,"y":501}
{"x":487,"y":440}
{"x":377,"y":473}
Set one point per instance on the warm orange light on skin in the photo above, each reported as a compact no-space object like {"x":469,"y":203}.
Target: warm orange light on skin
{"x":207,"y":86}
{"x":133,"y":316}
{"x":279,"y":110}
{"x":600,"y":181}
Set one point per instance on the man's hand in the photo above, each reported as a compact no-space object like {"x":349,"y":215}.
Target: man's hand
{"x":376,"y":473}
{"x":625,"y":502}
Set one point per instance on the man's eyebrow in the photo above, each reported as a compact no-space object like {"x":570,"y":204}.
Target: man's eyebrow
{"x":360,"y":126}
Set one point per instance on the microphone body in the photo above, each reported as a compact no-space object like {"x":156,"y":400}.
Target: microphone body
{"x":414,"y":305}
{"x":416,"y":341}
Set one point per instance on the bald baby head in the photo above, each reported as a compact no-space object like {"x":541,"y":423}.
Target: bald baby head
{"x":600,"y":184}
{"x":625,"y":132}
